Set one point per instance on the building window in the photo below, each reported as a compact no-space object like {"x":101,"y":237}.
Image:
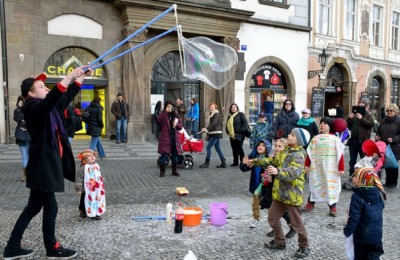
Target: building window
{"x":350,"y":29}
{"x":394,"y":93}
{"x":395,"y":31}
{"x":324,"y":17}
{"x":376,"y":25}
{"x":374,"y":91}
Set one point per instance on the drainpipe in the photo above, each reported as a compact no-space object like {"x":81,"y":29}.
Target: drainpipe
{"x":4,"y":108}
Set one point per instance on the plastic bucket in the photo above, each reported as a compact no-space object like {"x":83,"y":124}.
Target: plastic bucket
{"x":219,"y":213}
{"x":192,"y":216}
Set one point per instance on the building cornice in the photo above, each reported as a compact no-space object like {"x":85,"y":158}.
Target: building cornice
{"x":279,"y":25}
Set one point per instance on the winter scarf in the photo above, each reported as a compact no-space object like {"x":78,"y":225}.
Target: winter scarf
{"x":229,"y":125}
{"x":305,"y":121}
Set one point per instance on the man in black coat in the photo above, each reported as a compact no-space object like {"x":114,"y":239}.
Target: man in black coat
{"x":50,"y":160}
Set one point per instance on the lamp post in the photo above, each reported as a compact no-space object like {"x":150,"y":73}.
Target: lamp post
{"x":322,"y":59}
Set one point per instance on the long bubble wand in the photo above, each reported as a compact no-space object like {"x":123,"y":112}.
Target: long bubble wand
{"x":173,"y":7}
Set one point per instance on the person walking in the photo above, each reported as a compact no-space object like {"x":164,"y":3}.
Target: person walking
{"x":193,"y":116}
{"x":120,"y":109}
{"x":236,"y":125}
{"x":285,"y":120}
{"x":50,"y":160}
{"x":214,"y":134}
{"x":308,"y":123}
{"x":169,"y":143}
{"x":95,"y":125}
{"x":22,"y":136}
{"x":389,"y":132}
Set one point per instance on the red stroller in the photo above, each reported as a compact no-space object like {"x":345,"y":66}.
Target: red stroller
{"x":188,"y":144}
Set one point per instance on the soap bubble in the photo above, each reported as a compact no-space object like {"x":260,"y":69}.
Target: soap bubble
{"x":209,"y":61}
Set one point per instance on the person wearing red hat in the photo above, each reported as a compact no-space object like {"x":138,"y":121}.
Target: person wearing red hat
{"x":50,"y":159}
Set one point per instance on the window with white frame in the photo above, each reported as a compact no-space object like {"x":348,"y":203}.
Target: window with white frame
{"x":324,"y":17}
{"x":395,"y":31}
{"x":350,"y":24}
{"x":376,"y":25}
{"x":394,"y":95}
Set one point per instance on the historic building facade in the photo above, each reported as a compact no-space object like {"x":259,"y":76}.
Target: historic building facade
{"x":361,"y":38}
{"x":271,"y":38}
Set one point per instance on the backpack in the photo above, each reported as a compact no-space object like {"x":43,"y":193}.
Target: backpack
{"x":85,"y":116}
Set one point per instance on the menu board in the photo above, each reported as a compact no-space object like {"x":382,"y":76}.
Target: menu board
{"x":317,"y":102}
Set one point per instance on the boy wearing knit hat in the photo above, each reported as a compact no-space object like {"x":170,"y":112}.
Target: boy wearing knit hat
{"x":365,"y":220}
{"x":287,"y":192}
{"x":324,"y":166}
{"x":89,"y":182}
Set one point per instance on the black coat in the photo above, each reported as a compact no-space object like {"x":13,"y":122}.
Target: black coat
{"x":240,"y":125}
{"x":95,"y":122}
{"x":46,"y":169}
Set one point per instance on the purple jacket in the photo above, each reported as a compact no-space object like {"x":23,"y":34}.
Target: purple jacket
{"x":164,"y":143}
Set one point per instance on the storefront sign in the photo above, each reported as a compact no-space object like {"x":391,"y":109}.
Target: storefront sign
{"x":268,"y":76}
{"x":317,"y":102}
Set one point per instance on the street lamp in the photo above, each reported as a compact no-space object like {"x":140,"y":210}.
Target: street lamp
{"x":322,"y":59}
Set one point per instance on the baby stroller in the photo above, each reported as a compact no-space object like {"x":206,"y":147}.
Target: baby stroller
{"x":188,"y":144}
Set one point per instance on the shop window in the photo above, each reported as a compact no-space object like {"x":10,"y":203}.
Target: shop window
{"x":394,"y":91}
{"x":267,"y":81}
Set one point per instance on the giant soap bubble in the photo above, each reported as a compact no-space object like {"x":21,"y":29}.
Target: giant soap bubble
{"x":209,"y":61}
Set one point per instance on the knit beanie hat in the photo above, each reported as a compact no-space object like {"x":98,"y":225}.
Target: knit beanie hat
{"x":368,"y":178}
{"x":85,"y":154}
{"x":329,"y":122}
{"x":302,"y":136}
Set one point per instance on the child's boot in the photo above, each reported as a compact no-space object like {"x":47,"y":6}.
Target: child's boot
{"x":332,"y":211}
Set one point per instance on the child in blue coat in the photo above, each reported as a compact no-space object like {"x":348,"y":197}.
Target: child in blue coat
{"x":365,"y":215}
{"x":261,"y":150}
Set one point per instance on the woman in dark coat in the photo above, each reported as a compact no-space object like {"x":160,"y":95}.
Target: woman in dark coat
{"x":236,"y":125}
{"x":389,"y":132}
{"x":285,"y":120}
{"x":94,"y":126}
{"x":169,"y":143}
{"x":22,"y":136}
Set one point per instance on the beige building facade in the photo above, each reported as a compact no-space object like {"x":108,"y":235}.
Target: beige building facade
{"x":361,"y":38}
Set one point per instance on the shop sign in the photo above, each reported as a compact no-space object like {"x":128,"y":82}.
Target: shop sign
{"x":268,"y":76}
{"x":66,"y":60}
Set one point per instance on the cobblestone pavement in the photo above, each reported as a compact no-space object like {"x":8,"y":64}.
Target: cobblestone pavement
{"x":134,"y":189}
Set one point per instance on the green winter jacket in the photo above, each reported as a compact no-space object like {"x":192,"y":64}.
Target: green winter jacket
{"x":289,"y":182}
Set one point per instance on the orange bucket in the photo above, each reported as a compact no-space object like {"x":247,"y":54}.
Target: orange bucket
{"x":192,"y":216}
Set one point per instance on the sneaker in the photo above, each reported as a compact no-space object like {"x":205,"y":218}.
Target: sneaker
{"x":332,"y":212}
{"x":59,"y":252}
{"x":271,"y":233}
{"x":291,"y":233}
{"x":17,"y":253}
{"x":308,"y":207}
{"x":272,"y":245}
{"x":255,"y":223}
{"x":302,"y":252}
